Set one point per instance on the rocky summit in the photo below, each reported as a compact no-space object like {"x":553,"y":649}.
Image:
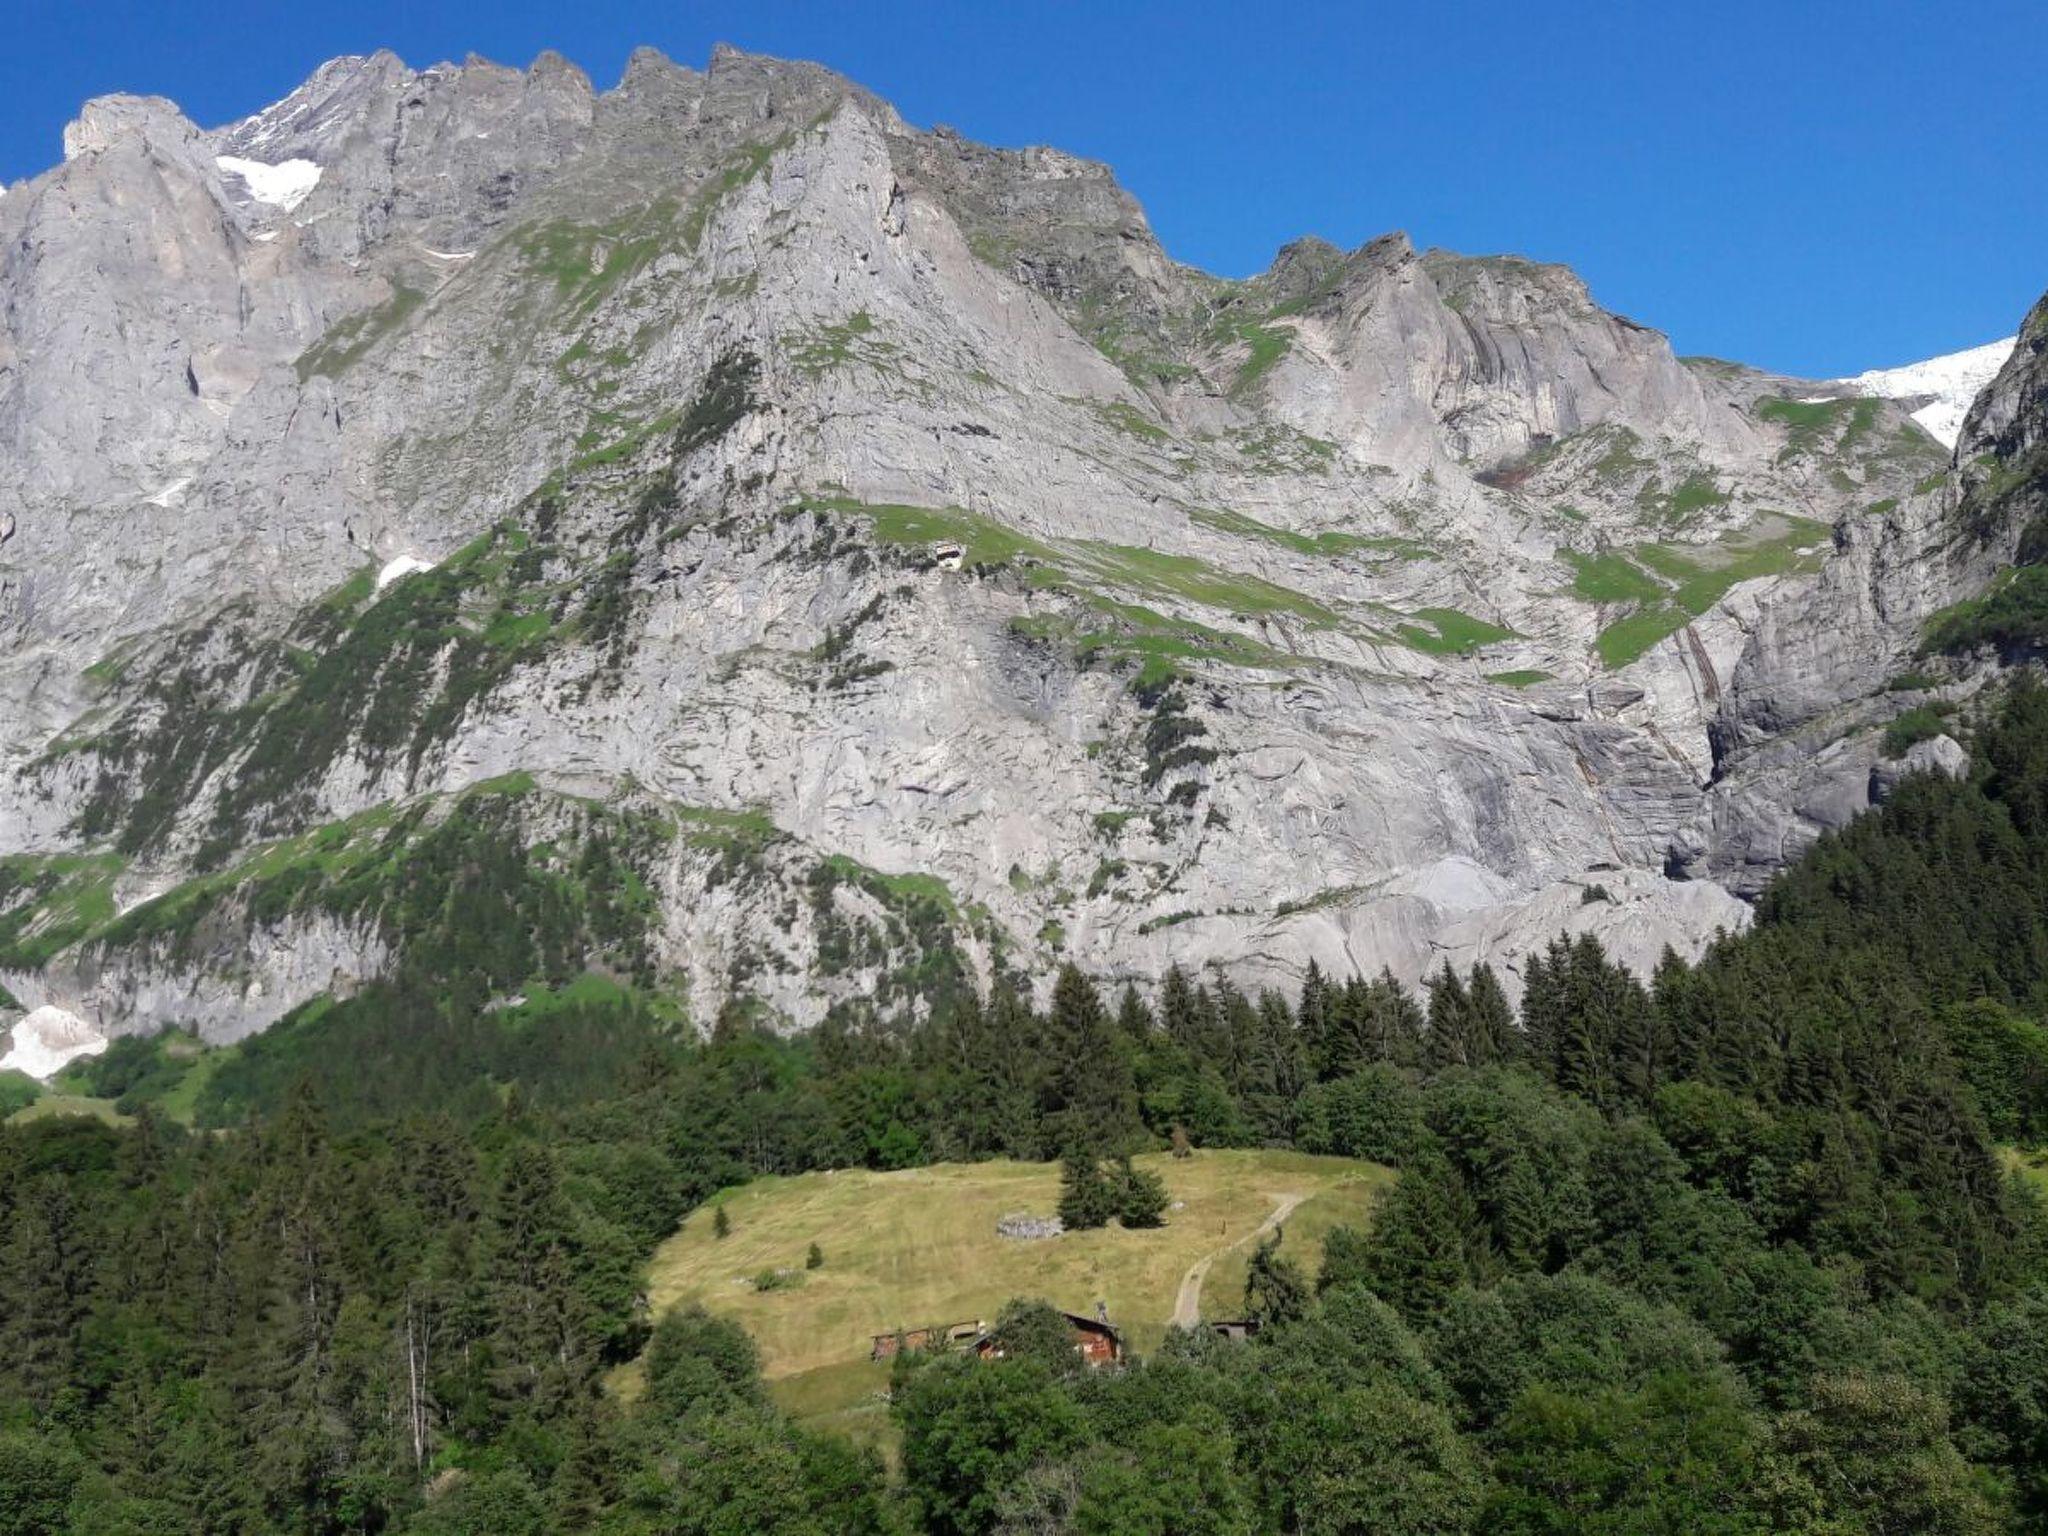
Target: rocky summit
{"x":827,"y":555}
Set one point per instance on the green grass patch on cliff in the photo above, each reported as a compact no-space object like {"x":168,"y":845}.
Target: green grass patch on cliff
{"x":746,"y":163}
{"x":1817,"y":426}
{"x":1448,"y":632}
{"x":2011,"y":613}
{"x":1196,"y":581}
{"x":346,"y":342}
{"x":1265,"y":345}
{"x":817,"y":352}
{"x":981,"y":540}
{"x":1328,"y":543}
{"x":1670,"y":585}
{"x":586,"y":263}
{"x":1608,"y":577}
{"x":49,"y":902}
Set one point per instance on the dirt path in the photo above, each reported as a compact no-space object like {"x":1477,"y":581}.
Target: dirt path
{"x":1187,"y":1306}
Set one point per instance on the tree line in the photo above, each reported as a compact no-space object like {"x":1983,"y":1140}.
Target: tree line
{"x":1731,"y":1249}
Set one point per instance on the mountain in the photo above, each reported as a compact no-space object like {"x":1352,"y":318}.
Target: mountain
{"x":804,"y":561}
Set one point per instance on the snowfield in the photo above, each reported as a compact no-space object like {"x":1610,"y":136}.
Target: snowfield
{"x":404,"y":565}
{"x":284,"y":185}
{"x":49,"y":1039}
{"x":1954,"y":381}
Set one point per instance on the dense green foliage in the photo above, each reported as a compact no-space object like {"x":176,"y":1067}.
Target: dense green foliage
{"x":1732,"y":1252}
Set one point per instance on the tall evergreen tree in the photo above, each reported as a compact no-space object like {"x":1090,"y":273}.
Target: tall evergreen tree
{"x":1087,"y":1097}
{"x":1451,"y":1040}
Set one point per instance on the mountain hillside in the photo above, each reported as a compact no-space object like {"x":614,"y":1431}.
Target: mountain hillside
{"x":810,"y":559}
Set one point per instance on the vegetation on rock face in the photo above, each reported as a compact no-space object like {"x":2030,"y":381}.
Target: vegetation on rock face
{"x":1670,"y":585}
{"x":50,"y":901}
{"x":2011,"y":616}
{"x":349,"y":340}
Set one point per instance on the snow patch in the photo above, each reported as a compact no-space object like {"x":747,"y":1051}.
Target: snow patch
{"x":404,"y":565}
{"x":448,"y":255}
{"x":1954,"y":381}
{"x":169,"y":493}
{"x":284,"y":185}
{"x":46,"y":1041}
{"x":266,"y":237}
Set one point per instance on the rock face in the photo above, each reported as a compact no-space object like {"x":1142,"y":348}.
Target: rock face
{"x":898,"y":518}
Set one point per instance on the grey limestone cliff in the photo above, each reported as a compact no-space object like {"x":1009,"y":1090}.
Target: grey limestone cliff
{"x":897,"y":515}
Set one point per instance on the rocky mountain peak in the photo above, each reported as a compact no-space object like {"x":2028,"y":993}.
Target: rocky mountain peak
{"x":892,"y":519}
{"x":106,"y":121}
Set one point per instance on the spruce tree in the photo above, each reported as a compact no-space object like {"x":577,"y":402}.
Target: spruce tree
{"x":1087,"y":1197}
{"x":1141,"y":1198}
{"x":1275,"y":1290}
{"x":1494,"y":1035}
{"x":1087,"y":1099}
{"x":1424,"y":1237}
{"x":1450,"y":1039}
{"x":1178,"y":1015}
{"x":1312,"y":1021}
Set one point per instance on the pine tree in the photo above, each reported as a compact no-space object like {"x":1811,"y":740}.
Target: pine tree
{"x":1087,"y":1198}
{"x":1177,"y":1009}
{"x":1133,"y":1019}
{"x":1542,"y":1005}
{"x":1275,"y":1290}
{"x":1141,"y":1198}
{"x":45,"y":1274}
{"x":1312,"y":1021}
{"x":1087,"y":1098}
{"x":1494,"y":1035}
{"x":1450,"y":1040}
{"x":1425,"y":1237}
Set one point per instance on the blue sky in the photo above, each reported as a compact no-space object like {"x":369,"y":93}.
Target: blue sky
{"x":1818,"y":187}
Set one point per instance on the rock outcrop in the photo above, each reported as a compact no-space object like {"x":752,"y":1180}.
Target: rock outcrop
{"x":891,"y":507}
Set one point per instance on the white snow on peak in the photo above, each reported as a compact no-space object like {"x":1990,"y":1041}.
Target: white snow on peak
{"x":403,"y":565}
{"x":283,"y":185}
{"x":49,"y":1039}
{"x":1954,"y":381}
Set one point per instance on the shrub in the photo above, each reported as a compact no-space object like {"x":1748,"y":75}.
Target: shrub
{"x":1923,"y":722}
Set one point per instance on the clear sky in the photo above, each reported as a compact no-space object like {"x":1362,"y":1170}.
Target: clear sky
{"x":1809,"y":185}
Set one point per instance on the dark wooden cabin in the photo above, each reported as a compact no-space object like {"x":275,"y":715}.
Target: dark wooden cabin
{"x":1095,"y":1340}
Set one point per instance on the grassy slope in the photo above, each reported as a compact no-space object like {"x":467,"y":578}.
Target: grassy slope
{"x":920,"y":1247}
{"x":55,"y":1105}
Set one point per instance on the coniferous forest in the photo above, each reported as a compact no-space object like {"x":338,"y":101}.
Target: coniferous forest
{"x":1739,"y":1249}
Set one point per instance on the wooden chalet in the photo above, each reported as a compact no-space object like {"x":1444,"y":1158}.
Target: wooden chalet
{"x":1095,"y":1340}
